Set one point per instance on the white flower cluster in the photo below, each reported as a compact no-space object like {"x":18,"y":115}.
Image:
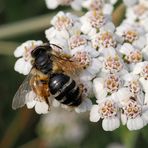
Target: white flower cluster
{"x":121,"y":86}
{"x":61,"y":126}
{"x":114,"y":61}
{"x":107,"y":6}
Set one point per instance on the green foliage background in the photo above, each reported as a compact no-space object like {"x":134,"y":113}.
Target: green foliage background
{"x":18,"y":128}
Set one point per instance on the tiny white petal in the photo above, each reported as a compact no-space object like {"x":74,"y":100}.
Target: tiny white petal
{"x":130,"y":2}
{"x":22,"y":66}
{"x":76,"y":4}
{"x":130,"y":124}
{"x":145,"y":116}
{"x":140,"y":43}
{"x":126,"y":48}
{"x":31,"y":104}
{"x":110,"y":124}
{"x":146,"y":98}
{"x":19,"y":51}
{"x":113,"y":1}
{"x":108,"y":9}
{"x":123,"y":119}
{"x":145,"y":53}
{"x":138,"y":68}
{"x":52,"y":4}
{"x":94,"y":114}
{"x":95,"y":66}
{"x":50,"y":33}
{"x":144,"y":84}
{"x":84,"y":106}
{"x":41,"y":107}
{"x":123,"y":95}
{"x":98,"y":88}
{"x":86,"y":76}
{"x":109,"y":27}
{"x":135,"y":124}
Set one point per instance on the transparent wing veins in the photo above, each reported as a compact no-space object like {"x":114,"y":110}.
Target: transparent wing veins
{"x":19,"y":98}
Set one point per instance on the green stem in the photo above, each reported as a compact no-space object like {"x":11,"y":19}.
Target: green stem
{"x":129,"y":138}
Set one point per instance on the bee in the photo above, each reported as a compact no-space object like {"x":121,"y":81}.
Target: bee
{"x":51,"y":76}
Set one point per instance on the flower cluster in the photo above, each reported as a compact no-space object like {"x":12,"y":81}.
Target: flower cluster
{"x":113,"y":60}
{"x":121,"y":86}
{"x":61,"y":126}
{"x":106,"y":6}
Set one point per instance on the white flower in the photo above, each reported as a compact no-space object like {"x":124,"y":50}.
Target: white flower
{"x":23,"y":52}
{"x":32,"y":100}
{"x":108,"y":85}
{"x":133,"y":115}
{"x":52,"y":4}
{"x":130,"y":2}
{"x":111,"y":62}
{"x":144,"y":21}
{"x":93,"y":21}
{"x":104,"y":39}
{"x":63,"y":21}
{"x":131,"y":55}
{"x":133,"y":111}
{"x":85,"y":56}
{"x":137,"y":12}
{"x":66,"y":126}
{"x":75,"y":4}
{"x":77,"y":40}
{"x":107,"y":109}
{"x":65,"y":25}
{"x":132,"y":33}
{"x":142,"y":70}
{"x":106,"y":6}
{"x":131,"y":81}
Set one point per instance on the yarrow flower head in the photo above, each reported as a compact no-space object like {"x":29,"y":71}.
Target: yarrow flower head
{"x":133,"y":111}
{"x":112,"y":63}
{"x":107,"y":109}
{"x":133,"y":34}
{"x":93,"y":21}
{"x":106,"y":86}
{"x":131,"y":55}
{"x":66,"y":126}
{"x":103,"y":40}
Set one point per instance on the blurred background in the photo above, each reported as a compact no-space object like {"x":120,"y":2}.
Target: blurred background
{"x":22,"y":20}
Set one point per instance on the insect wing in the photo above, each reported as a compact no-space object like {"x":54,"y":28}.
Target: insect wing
{"x":20,"y":96}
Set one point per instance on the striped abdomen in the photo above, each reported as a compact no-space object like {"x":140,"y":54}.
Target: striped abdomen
{"x":65,"y":90}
